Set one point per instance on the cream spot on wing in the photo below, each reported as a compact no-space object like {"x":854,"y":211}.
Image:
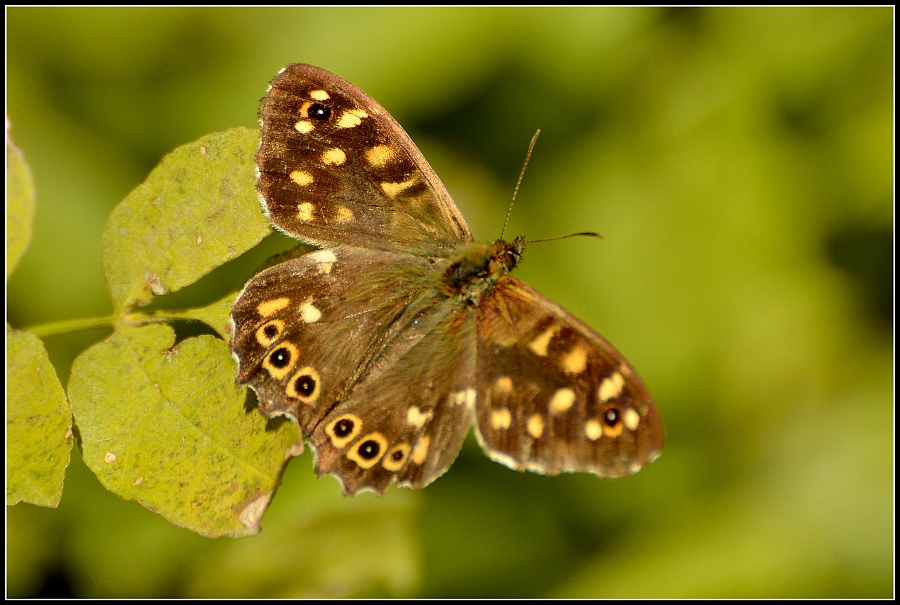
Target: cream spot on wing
{"x":270,"y":307}
{"x":539,"y":344}
{"x":323,"y":259}
{"x":624,"y":369}
{"x":575,"y":361}
{"x":301,"y":177}
{"x":352,"y":118}
{"x":631,"y":419}
{"x":304,"y":126}
{"x":415,"y":417}
{"x":344,"y":215}
{"x":394,"y":189}
{"x":593,"y":430}
{"x":503,"y":386}
{"x":535,"y":466}
{"x":322,"y":256}
{"x":504,"y":459}
{"x":319,"y":95}
{"x":535,"y":426}
{"x":562,"y":400}
{"x":466,"y":397}
{"x":611,"y":387}
{"x":500,"y":419}
{"x":305,"y":211}
{"x":380,"y":155}
{"x":334,"y":156}
{"x":309,"y":313}
{"x":421,"y":450}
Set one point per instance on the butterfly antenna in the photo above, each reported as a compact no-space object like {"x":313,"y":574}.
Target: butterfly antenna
{"x":553,"y":239}
{"x":521,"y":176}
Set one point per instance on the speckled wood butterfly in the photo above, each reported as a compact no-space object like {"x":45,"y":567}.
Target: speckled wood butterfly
{"x":401,"y":332}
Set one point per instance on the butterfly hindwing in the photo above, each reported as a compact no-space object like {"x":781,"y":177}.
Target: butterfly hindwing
{"x":335,"y":168}
{"x":307,"y":328}
{"x":553,"y":394}
{"x":382,"y":434}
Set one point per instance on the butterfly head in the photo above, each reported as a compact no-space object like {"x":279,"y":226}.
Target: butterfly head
{"x":476,"y":268}
{"x":507,"y":254}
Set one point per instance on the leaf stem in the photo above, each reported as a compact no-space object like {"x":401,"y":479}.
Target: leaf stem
{"x":89,"y":323}
{"x":70,"y":325}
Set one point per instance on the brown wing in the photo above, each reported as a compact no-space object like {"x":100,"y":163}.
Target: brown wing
{"x":406,"y":420}
{"x":553,"y":395}
{"x":307,"y":328}
{"x":336,"y":168}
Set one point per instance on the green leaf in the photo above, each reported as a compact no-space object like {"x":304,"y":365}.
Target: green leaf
{"x":163,"y":425}
{"x":198,"y":209}
{"x":317,"y":544}
{"x":19,"y":205}
{"x":217,"y":315}
{"x":38,"y":423}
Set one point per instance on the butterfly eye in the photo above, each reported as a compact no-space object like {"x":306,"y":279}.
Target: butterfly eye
{"x":280,"y":357}
{"x":320,"y":112}
{"x":343,"y":427}
{"x":611,"y":417}
{"x":305,"y":385}
{"x":269,"y":333}
{"x":394,"y":459}
{"x":369,"y":449}
{"x":281,"y":361}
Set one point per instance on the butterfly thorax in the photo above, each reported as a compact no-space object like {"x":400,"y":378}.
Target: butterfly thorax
{"x":477,"y":267}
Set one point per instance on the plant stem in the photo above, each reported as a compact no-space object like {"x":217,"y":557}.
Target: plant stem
{"x":89,"y":323}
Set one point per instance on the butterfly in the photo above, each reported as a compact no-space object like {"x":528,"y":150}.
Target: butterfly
{"x":388,"y":343}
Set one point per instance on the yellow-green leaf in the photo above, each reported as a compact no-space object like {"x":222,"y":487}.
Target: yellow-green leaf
{"x":162,"y":424}
{"x":318,"y":543}
{"x":197,"y":210}
{"x":215,"y":315}
{"x":38,"y":423}
{"x":19,"y":205}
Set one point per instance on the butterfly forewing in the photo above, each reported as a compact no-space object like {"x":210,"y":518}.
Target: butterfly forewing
{"x":335,"y":168}
{"x":307,"y":328}
{"x":553,"y":394}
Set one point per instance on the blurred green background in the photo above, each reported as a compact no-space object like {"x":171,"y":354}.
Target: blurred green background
{"x":739,"y":164}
